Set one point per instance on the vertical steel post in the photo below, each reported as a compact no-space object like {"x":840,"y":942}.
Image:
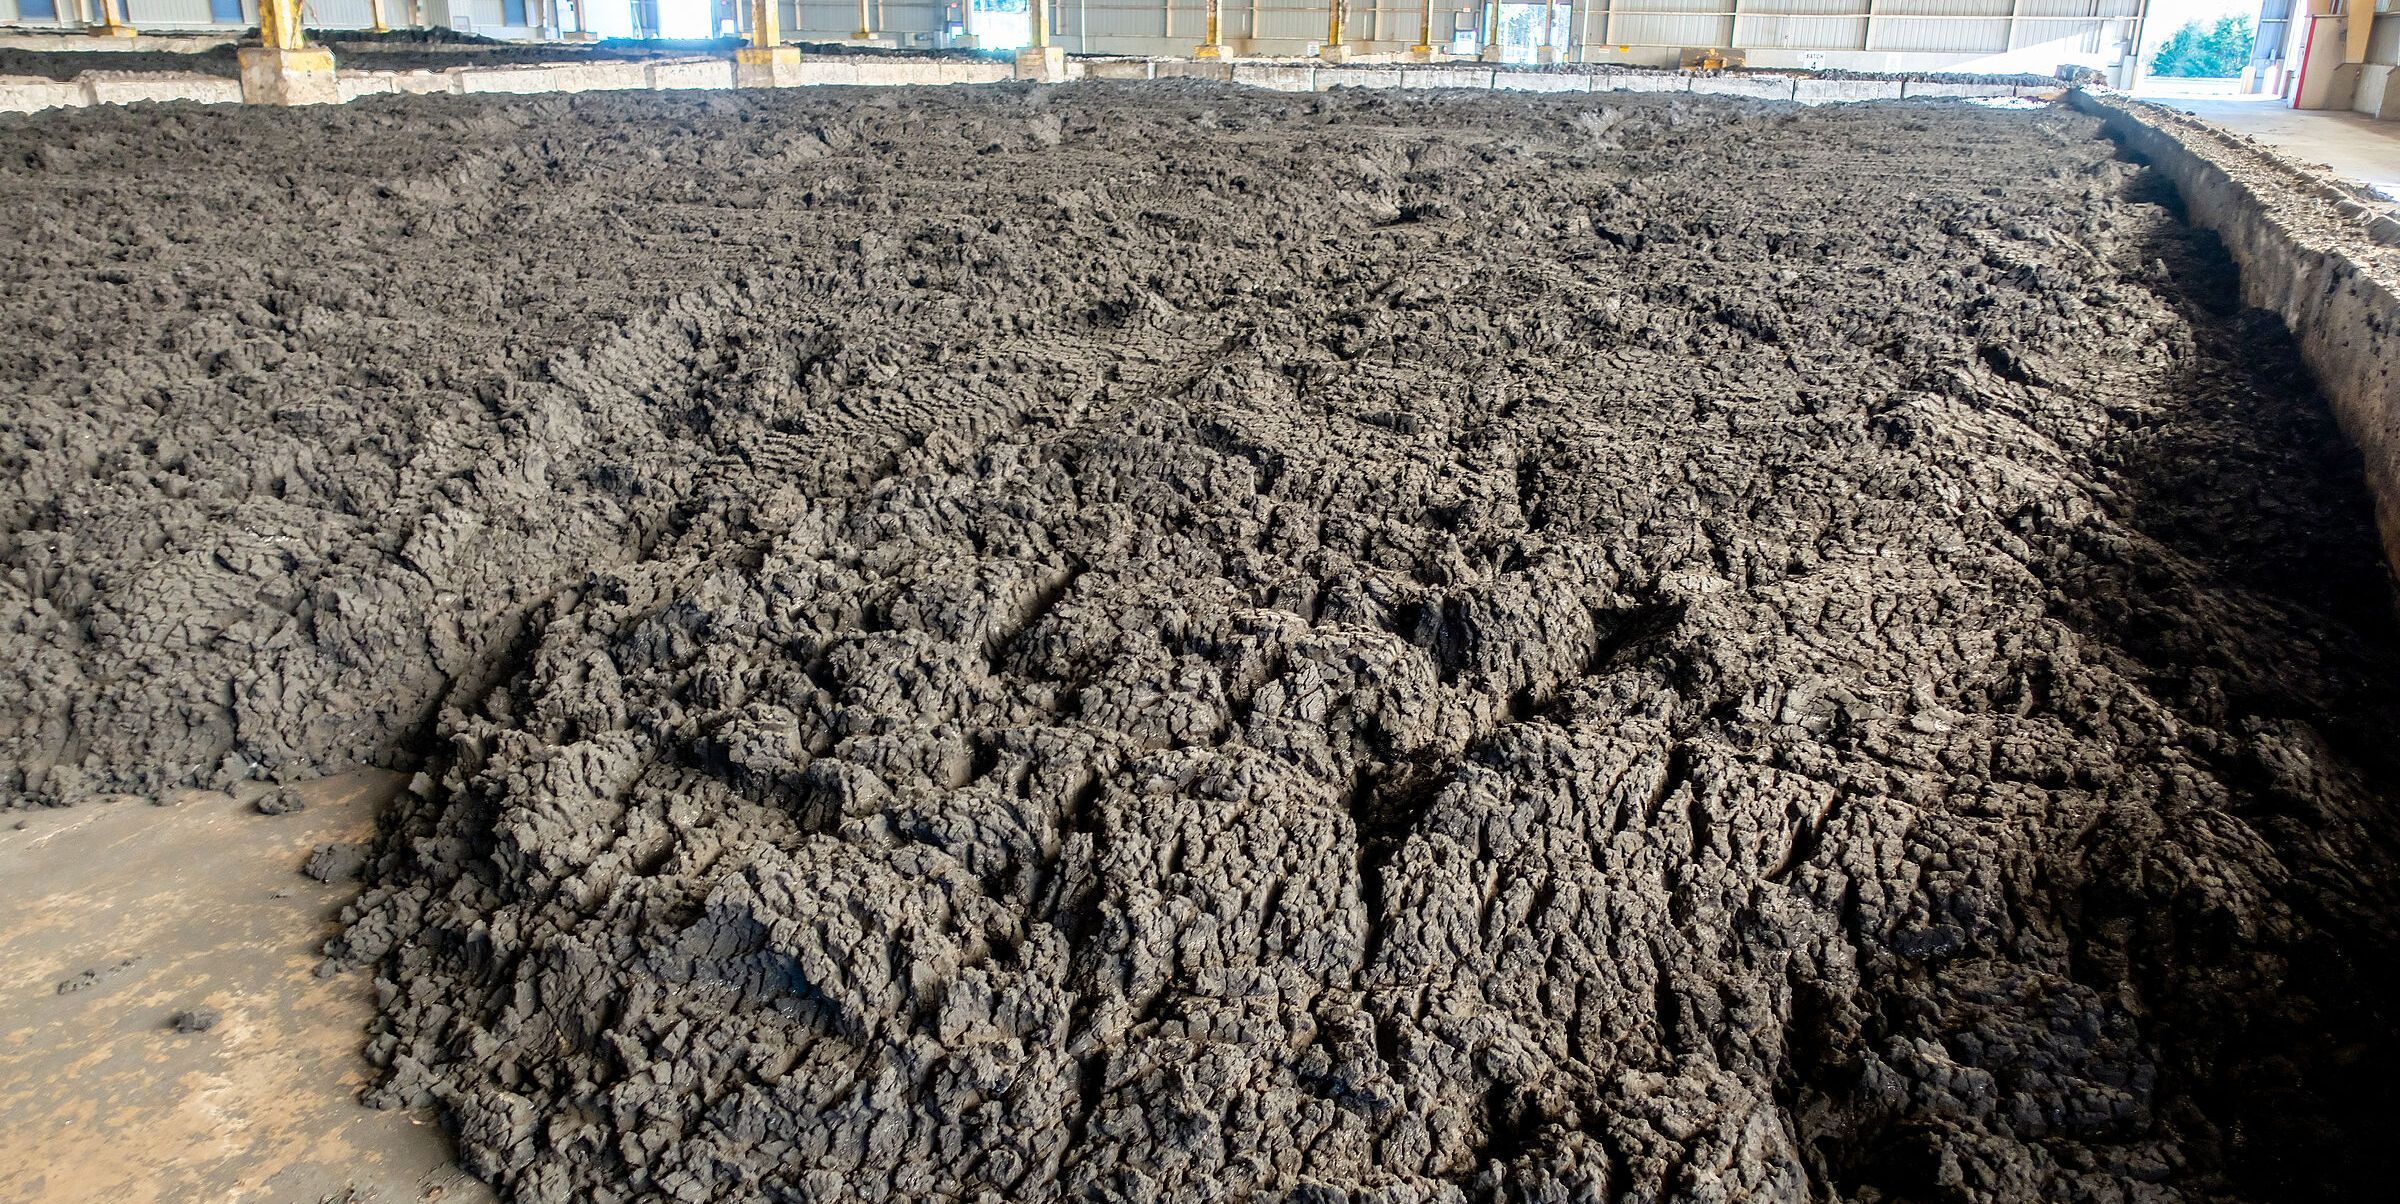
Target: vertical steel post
{"x":1213,"y":45}
{"x":278,"y":23}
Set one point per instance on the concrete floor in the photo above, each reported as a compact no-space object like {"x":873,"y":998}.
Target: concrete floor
{"x":2354,"y":146}
{"x":101,"y":1100}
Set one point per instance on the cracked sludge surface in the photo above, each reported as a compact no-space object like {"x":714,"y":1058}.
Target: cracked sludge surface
{"x":1179,"y":643}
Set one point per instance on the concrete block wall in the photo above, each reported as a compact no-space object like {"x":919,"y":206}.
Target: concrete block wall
{"x":1309,"y":77}
{"x":2309,"y":251}
{"x":1827,"y":91}
{"x":1543,"y":81}
{"x":27,"y":95}
{"x":19,"y":96}
{"x":128,"y":89}
{"x":194,"y":15}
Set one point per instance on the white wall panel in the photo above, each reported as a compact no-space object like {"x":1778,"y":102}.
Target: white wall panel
{"x":1945,"y":26}
{"x":167,"y":12}
{"x":1673,"y":22}
{"x":347,"y":14}
{"x":1800,"y":32}
{"x":835,"y":21}
{"x":1282,"y":19}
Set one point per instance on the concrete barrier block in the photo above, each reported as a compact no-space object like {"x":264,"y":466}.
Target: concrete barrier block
{"x":1834,"y":91}
{"x":1478,"y":78}
{"x":27,"y":96}
{"x":609,"y":77}
{"x":1116,"y":69}
{"x":503,"y":79}
{"x":350,"y":85}
{"x":827,"y":72}
{"x":132,"y":89}
{"x":1281,"y":79}
{"x":1927,"y":87}
{"x":1185,"y":69}
{"x":927,"y":73}
{"x":555,"y":77}
{"x":1540,"y":81}
{"x":1044,"y":65}
{"x":894,"y":74}
{"x":1641,"y":81}
{"x":693,"y":73}
{"x":425,"y":83}
{"x":81,"y":42}
{"x":1329,"y":78}
{"x":1756,"y":87}
{"x":2374,"y":79}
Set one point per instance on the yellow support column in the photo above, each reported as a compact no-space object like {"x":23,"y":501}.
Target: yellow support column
{"x":113,"y":25}
{"x":766,"y":62}
{"x":866,"y":24}
{"x":1041,"y":62}
{"x":1214,"y":47}
{"x":1333,"y":51}
{"x":1423,"y":50}
{"x":1548,"y":42}
{"x":285,"y":71}
{"x":375,"y":15}
{"x":1491,"y":31}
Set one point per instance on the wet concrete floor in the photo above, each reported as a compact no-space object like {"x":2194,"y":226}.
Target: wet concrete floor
{"x":111,"y":924}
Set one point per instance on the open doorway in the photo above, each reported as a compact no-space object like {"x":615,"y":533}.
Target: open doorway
{"x":1521,"y":36}
{"x":1000,"y":24}
{"x":2198,"y":48}
{"x":686,"y":18}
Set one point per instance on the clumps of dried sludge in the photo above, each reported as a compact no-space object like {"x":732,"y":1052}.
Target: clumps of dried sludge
{"x":1193,"y":644}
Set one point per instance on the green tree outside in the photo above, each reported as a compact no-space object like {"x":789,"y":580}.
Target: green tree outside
{"x":2205,"y":52}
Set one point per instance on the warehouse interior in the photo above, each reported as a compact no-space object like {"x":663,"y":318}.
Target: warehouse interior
{"x":1867,"y":35}
{"x":1654,"y":601}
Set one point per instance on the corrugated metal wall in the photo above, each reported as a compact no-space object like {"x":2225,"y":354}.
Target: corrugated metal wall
{"x":1942,"y":26}
{"x":1671,"y":22}
{"x":337,"y":14}
{"x":1803,"y":25}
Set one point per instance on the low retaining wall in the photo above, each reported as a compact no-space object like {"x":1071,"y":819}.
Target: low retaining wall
{"x":82,"y":42}
{"x":2309,"y":251}
{"x":27,"y":95}
{"x":100,"y":87}
{"x":1303,"y":77}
